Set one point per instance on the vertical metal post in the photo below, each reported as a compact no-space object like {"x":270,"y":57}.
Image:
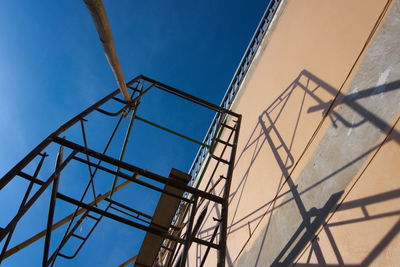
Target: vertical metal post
{"x":225,"y":204}
{"x":188,"y":240}
{"x":126,"y":139}
{"x":52,"y":206}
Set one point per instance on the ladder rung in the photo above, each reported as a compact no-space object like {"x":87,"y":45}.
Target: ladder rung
{"x":167,"y":248}
{"x":228,"y":126}
{"x":66,"y":256}
{"x":63,"y":255}
{"x":219,"y":159}
{"x":94,"y":218}
{"x":78,"y":236}
{"x":223,"y":142}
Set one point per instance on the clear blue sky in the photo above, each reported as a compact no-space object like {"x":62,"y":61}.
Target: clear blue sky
{"x":52,"y":67}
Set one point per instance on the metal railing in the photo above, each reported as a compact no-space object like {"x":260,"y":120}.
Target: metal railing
{"x":234,"y":86}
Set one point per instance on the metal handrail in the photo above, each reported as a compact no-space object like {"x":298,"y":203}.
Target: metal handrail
{"x":234,"y":86}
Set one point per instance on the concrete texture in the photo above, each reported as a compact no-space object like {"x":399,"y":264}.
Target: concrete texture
{"x":295,"y":163}
{"x":364,"y":229}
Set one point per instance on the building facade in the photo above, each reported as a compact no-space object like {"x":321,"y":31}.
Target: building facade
{"x":316,"y":179}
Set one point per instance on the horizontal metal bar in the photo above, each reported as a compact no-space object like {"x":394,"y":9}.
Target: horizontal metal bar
{"x":132,"y":179}
{"x":137,"y":217}
{"x":128,"y":208}
{"x":119,"y":218}
{"x":206,"y":243}
{"x":78,"y":236}
{"x":94,"y":218}
{"x":219,"y":159}
{"x":111,"y":114}
{"x":189,"y":97}
{"x":123,"y":101}
{"x":228,"y":126}
{"x":223,"y":142}
{"x":171,"y":131}
{"x":104,"y":213}
{"x":129,"y":167}
{"x":130,"y":215}
{"x":167,"y":248}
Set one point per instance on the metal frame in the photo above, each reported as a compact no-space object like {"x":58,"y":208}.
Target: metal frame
{"x":81,"y":153}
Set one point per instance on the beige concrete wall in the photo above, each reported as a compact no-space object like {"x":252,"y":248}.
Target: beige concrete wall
{"x":364,"y":230}
{"x":299,"y":155}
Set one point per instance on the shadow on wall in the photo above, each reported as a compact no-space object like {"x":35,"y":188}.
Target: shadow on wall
{"x":267,"y":131}
{"x":354,"y":205}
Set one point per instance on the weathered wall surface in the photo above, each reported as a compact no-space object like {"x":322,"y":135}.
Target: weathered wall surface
{"x":320,"y":142}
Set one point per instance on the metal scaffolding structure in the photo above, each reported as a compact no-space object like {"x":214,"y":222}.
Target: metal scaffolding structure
{"x":177,"y":235}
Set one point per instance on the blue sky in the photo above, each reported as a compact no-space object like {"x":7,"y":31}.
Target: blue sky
{"x":52,"y":67}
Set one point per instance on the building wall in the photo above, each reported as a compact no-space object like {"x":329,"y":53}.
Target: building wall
{"x":319,"y":141}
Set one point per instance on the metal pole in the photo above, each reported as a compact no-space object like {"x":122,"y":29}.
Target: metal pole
{"x":171,"y":131}
{"x":225,"y":204}
{"x":52,"y":206}
{"x":189,"y":97}
{"x":188,"y":240}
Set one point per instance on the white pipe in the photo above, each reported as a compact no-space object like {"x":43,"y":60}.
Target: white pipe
{"x":99,"y":16}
